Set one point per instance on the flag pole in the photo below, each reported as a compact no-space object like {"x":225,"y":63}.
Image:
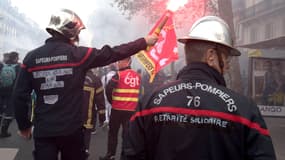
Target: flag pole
{"x":157,"y":32}
{"x":161,"y":25}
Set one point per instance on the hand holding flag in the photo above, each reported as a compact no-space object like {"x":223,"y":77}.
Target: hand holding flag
{"x":151,"y":39}
{"x":165,"y":49}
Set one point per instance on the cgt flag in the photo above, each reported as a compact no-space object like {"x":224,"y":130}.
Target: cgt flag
{"x":164,"y":51}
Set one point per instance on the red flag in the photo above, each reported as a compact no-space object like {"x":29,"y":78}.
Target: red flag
{"x":164,"y":51}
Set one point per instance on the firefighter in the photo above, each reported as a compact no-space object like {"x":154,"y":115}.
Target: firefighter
{"x":56,"y":71}
{"x":93,"y":104}
{"x":122,"y":92}
{"x":196,"y":116}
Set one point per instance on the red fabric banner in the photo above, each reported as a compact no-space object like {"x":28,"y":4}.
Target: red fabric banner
{"x":164,"y":51}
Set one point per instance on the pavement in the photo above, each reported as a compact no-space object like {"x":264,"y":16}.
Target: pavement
{"x":8,"y":153}
{"x":17,"y":148}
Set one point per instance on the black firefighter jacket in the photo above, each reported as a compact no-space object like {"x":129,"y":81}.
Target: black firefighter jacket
{"x":93,"y":100}
{"x":197,"y":118}
{"x":56,"y":71}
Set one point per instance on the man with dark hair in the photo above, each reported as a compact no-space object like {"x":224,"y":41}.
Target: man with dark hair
{"x":196,"y":116}
{"x":56,"y":72}
{"x":6,"y":56}
{"x":14,"y":56}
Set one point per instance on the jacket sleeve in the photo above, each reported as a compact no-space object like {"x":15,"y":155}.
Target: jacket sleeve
{"x":259,"y":144}
{"x":106,"y":55}
{"x":99,"y":95}
{"x":110,"y":86}
{"x":22,"y":97}
{"x":99,"y":99}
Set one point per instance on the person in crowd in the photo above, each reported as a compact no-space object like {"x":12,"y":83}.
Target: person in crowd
{"x":197,"y":116}
{"x":9,"y":70}
{"x":56,"y":72}
{"x":6,"y":57}
{"x":122,"y":92}
{"x":93,"y":103}
{"x":110,"y":71}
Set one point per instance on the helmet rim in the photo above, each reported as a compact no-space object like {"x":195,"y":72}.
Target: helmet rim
{"x":211,"y":29}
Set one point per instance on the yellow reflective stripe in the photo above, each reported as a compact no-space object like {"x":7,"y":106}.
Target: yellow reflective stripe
{"x":90,"y":104}
{"x":102,"y":111}
{"x":99,"y":90}
{"x":126,"y":90}
{"x":88,"y":126}
{"x":132,"y":99}
{"x":33,"y":110}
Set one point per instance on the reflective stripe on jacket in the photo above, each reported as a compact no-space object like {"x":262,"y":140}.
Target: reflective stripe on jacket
{"x":125,"y":95}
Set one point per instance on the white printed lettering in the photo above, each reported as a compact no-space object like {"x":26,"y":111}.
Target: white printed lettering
{"x":50,"y":77}
{"x":51,"y":59}
{"x":131,"y":81}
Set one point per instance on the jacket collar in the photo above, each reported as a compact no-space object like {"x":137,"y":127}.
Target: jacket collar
{"x":201,"y":71}
{"x":58,"y":39}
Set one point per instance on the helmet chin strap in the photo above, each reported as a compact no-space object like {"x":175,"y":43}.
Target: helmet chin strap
{"x":221,"y":62}
{"x":220,"y":59}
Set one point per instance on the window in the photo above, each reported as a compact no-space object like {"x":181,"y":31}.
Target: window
{"x":253,"y":34}
{"x":268,"y":31}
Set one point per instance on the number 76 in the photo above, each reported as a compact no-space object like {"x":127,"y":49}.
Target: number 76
{"x":193,"y":99}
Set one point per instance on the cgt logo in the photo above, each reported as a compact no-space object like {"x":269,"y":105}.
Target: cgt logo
{"x":131,"y":80}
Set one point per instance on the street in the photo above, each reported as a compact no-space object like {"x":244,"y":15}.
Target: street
{"x":16,"y":148}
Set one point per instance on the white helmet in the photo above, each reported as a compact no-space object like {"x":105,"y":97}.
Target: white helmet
{"x":65,"y":22}
{"x":211,"y":29}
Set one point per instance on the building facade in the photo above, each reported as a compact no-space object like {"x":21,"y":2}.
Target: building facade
{"x":260,"y":34}
{"x":17,"y":32}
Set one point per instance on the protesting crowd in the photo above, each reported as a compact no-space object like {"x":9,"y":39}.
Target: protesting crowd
{"x":68,"y":89}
